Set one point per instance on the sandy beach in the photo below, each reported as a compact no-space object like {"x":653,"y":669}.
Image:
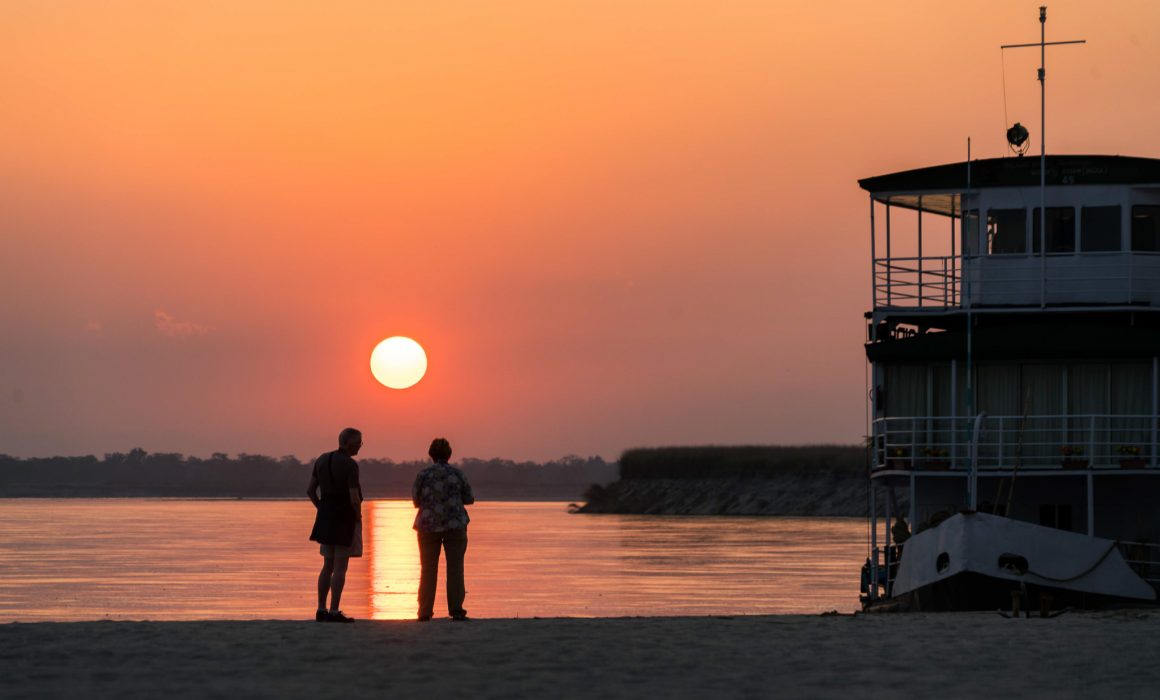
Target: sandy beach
{"x":1078,"y":654}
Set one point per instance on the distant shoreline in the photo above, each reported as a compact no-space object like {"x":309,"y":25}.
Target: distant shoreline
{"x":140,"y":474}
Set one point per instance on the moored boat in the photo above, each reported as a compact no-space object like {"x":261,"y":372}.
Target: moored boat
{"x":1014,"y":344}
{"x":1015,"y":373}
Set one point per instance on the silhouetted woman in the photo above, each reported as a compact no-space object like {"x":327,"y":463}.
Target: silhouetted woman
{"x":440,"y":491}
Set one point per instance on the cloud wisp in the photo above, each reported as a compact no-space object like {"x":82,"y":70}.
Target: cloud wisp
{"x":170,"y":327}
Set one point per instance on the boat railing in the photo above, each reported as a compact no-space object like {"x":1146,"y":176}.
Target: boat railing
{"x":1085,"y":441}
{"x":924,"y":282}
{"x":937,"y":282}
{"x":1144,"y":558}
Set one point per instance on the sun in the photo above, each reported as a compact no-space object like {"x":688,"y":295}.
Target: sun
{"x":398,"y":362}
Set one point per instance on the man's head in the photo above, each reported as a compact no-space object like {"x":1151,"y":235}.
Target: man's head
{"x":440,"y":450}
{"x":350,"y":440}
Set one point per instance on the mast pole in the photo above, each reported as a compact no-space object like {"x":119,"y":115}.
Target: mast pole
{"x":1042,"y":44}
{"x":1042,"y":156}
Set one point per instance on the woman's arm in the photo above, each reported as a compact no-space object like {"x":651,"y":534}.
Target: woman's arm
{"x":467,"y":495}
{"x":415,"y":487}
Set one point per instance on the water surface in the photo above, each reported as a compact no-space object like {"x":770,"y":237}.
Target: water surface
{"x":165,"y":559}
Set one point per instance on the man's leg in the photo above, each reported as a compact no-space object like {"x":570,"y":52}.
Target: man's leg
{"x":429,"y":543}
{"x":337,"y":581}
{"x":455,"y":545}
{"x":324,"y":581}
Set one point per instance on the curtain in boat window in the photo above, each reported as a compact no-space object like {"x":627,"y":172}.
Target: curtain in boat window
{"x":940,"y":429}
{"x":1131,"y":395}
{"x":906,"y":390}
{"x":998,"y":396}
{"x":998,"y":389}
{"x":906,"y":405}
{"x":1087,"y":407}
{"x":1045,"y":431}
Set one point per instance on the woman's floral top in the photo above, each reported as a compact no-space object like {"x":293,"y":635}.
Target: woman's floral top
{"x":440,"y":491}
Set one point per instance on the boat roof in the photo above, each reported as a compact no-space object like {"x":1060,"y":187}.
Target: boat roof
{"x":937,"y":188}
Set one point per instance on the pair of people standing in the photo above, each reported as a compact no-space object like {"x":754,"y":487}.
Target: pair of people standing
{"x":440,"y":492}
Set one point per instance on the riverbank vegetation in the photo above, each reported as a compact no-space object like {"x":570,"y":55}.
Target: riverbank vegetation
{"x":138,"y":473}
{"x":819,"y":480}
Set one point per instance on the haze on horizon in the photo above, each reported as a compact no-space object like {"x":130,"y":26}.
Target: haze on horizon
{"x":609,"y":224}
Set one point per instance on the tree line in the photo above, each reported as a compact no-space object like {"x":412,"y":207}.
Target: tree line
{"x":138,"y":473}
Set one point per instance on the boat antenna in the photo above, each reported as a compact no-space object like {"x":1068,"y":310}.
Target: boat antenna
{"x":969,"y":246}
{"x":1042,"y":44}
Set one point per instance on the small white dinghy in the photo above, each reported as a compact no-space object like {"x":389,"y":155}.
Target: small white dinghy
{"x":1002,"y":548}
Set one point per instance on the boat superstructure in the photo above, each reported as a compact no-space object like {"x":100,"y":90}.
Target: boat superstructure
{"x":1014,"y":345}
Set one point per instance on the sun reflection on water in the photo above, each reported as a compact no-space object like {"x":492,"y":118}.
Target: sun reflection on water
{"x":392,"y":560}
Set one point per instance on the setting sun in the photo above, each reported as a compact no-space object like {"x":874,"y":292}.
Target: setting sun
{"x":398,"y":362}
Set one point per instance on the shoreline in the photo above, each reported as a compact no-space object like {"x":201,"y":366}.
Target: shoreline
{"x":1079,"y":654}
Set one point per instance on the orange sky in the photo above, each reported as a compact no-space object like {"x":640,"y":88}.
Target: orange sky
{"x":611,"y":224}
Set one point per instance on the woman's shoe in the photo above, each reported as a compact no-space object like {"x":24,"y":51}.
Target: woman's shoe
{"x":337,"y":616}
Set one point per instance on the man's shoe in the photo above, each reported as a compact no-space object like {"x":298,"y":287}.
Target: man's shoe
{"x":337,"y":616}
{"x":320,"y":615}
{"x":460,"y":616}
{"x":423,"y":618}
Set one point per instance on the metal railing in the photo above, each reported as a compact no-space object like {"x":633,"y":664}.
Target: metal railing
{"x":927,"y":282}
{"x":942,"y":282}
{"x":1028,"y":442}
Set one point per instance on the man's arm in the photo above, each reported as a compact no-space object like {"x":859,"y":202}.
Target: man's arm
{"x":355,"y":493}
{"x":356,"y":503}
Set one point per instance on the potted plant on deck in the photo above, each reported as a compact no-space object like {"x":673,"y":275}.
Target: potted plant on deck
{"x":1130,"y":457}
{"x":1073,"y":457}
{"x":897,"y":458}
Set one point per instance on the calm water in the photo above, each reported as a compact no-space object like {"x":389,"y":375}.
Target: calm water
{"x":180,"y":560}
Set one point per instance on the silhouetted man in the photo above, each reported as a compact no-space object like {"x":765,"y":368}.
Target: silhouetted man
{"x":337,"y":497}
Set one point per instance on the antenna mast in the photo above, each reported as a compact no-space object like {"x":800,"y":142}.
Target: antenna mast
{"x":1042,"y":44}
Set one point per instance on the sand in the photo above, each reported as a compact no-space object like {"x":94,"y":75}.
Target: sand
{"x":1101,"y":654}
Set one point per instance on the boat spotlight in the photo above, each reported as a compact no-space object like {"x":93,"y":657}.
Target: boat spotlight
{"x":1017,"y":138}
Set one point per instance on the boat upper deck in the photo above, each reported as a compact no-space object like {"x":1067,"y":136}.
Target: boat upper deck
{"x":985,"y":235}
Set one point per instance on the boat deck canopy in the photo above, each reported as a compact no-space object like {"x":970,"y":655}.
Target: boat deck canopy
{"x":936,"y":189}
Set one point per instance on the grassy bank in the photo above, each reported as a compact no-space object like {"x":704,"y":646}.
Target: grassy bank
{"x":824,"y":480}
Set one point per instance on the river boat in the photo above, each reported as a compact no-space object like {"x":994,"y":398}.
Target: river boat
{"x":1015,"y":374}
{"x":1014,"y":351}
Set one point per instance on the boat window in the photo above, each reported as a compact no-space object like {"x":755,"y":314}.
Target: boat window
{"x":1146,"y":229}
{"x":942,"y":562}
{"x":1060,"y":230}
{"x":1006,"y":231}
{"x":1099,"y":228}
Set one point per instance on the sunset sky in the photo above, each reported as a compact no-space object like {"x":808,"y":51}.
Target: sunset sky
{"x":611,"y":224}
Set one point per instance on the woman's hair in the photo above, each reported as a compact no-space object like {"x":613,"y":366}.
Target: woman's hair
{"x":440,"y":450}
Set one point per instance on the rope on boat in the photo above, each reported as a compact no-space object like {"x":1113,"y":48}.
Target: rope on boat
{"x":1085,"y":572}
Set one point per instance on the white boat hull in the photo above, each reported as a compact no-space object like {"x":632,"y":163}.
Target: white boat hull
{"x":980,"y":543}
